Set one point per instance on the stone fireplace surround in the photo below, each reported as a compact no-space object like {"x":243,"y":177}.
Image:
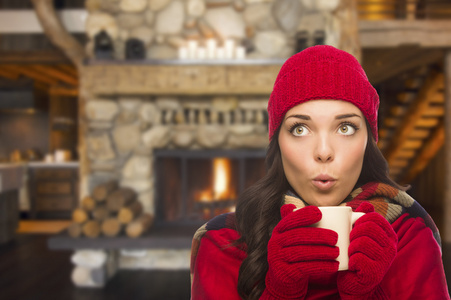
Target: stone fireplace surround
{"x":127,"y":111}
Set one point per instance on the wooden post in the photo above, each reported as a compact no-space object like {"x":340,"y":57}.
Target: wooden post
{"x":446,"y":235}
{"x":347,"y":19}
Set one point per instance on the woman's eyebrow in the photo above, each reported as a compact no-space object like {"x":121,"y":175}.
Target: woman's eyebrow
{"x":345,"y":116}
{"x":303,"y":117}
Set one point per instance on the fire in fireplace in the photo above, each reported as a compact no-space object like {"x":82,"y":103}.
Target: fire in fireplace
{"x":194,"y":186}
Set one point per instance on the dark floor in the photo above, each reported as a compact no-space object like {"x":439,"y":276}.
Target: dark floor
{"x":29,"y":270}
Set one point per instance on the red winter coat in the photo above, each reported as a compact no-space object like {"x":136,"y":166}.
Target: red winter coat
{"x":416,"y":273}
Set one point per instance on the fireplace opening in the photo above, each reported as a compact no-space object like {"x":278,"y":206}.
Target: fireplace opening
{"x":194,"y":186}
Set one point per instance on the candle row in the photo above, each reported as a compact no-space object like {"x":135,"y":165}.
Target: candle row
{"x":211,"y":50}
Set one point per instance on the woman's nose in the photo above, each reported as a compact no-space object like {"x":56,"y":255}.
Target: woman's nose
{"x":324,"y":150}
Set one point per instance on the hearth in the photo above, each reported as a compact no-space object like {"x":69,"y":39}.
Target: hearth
{"x":192,"y":186}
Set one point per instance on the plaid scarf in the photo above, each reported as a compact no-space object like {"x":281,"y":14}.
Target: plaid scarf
{"x":388,"y":201}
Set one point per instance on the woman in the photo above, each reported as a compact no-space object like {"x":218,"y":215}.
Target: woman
{"x":322,"y":152}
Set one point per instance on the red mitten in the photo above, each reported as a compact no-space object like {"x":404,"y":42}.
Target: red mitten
{"x":297,"y":251}
{"x":372,"y":249}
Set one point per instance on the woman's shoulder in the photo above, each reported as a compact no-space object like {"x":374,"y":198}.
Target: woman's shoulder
{"x":223,"y":222}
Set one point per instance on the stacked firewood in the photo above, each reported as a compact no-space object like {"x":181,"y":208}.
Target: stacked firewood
{"x":110,"y":211}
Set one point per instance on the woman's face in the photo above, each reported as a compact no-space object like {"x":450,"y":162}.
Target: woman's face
{"x":322,"y":143}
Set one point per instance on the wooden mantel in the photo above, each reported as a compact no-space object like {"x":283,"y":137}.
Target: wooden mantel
{"x":177,"y":79}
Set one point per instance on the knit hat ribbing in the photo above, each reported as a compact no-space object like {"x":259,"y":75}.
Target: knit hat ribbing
{"x":322,"y":72}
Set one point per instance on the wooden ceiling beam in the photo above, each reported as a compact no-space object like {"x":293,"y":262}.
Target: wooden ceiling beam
{"x":35,"y":75}
{"x":54,"y":73}
{"x":33,"y":57}
{"x":432,"y":83}
{"x":428,"y":152}
{"x":68,"y":68}
{"x":397,"y":61}
{"x":8,"y":74}
{"x":64,"y":91}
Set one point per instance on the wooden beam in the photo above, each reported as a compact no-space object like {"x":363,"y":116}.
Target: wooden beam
{"x":414,"y":113}
{"x":68,"y":68}
{"x":32,"y":57}
{"x":8,"y":74}
{"x":35,"y":75}
{"x":447,"y":194}
{"x":394,"y":33}
{"x":383,"y":64}
{"x":63,"y":91}
{"x":54,"y":73}
{"x":56,"y":32}
{"x":429,"y":150}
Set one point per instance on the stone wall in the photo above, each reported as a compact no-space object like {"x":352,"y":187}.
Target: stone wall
{"x":122,"y":133}
{"x":266,"y":28}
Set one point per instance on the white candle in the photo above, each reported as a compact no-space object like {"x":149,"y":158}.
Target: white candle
{"x":220,"y":53}
{"x":240,"y":52}
{"x":183,"y":53}
{"x":229,"y":46}
{"x":192,"y":49}
{"x":201,"y":53}
{"x":211,"y":48}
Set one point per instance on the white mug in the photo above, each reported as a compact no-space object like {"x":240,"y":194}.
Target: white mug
{"x":339,"y":219}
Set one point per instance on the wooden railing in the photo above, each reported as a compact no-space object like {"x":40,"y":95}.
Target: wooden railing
{"x":403,"y":9}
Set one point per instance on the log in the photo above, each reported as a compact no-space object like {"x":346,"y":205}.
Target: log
{"x":130,"y":212}
{"x":139,"y":226}
{"x":120,"y":198}
{"x":91,"y":229}
{"x":100,"y":213}
{"x":102,"y":191}
{"x":88,"y":203}
{"x":75,"y":230}
{"x":111,"y":227}
{"x":79,"y":215}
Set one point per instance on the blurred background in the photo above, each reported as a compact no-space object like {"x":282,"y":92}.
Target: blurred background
{"x":127,"y":124}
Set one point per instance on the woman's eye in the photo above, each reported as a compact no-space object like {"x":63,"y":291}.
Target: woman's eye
{"x":299,"y":130}
{"x":346,"y":129}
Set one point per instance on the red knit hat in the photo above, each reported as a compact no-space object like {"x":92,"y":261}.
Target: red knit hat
{"x":322,"y":72}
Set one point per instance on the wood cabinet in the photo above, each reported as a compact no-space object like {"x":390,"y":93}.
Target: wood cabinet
{"x":53,"y":191}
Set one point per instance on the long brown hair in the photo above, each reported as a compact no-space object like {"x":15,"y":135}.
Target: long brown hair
{"x":258,"y":210}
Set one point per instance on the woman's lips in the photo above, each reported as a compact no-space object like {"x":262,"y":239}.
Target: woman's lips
{"x":324,"y":182}
{"x":324,"y":185}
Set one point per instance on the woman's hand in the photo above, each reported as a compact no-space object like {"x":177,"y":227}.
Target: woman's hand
{"x":297,"y":251}
{"x":372,"y":249}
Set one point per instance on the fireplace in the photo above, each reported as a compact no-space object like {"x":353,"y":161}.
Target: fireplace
{"x":194,"y":186}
